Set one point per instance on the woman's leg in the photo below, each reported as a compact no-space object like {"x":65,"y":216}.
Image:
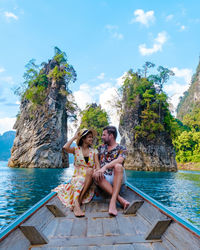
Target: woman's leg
{"x":87,"y":183}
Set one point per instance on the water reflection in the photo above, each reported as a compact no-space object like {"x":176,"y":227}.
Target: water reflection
{"x":22,"y":188}
{"x":178,"y":191}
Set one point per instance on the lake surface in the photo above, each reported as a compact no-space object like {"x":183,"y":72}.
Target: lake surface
{"x":22,"y":188}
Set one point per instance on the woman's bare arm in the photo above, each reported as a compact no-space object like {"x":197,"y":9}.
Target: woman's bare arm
{"x":67,"y":145}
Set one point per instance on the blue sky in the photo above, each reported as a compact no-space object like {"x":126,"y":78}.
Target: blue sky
{"x":103,"y":40}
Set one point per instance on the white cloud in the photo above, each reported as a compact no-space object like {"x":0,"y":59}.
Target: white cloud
{"x":101,"y":87}
{"x":145,"y":18}
{"x":113,"y":30}
{"x":157,"y":46}
{"x":185,"y":73}
{"x":175,"y":90}
{"x":10,"y":15}
{"x":181,"y":84}
{"x":2,"y":69}
{"x":121,"y":79}
{"x":106,"y":100}
{"x":101,"y":76}
{"x":169,"y":17}
{"x":6,"y":124}
{"x":83,"y":96}
{"x":183,"y":27}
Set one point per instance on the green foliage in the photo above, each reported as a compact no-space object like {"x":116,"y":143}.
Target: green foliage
{"x":187,"y":143}
{"x":38,"y":79}
{"x":161,"y":78}
{"x":155,"y":116}
{"x":94,"y":117}
{"x":192,"y":119}
{"x":187,"y":146}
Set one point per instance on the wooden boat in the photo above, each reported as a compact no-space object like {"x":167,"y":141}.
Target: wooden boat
{"x":146,"y":224}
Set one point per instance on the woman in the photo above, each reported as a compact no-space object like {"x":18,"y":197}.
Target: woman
{"x":80,"y":189}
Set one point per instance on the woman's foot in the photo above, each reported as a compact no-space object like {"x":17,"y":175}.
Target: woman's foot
{"x":77,"y":210}
{"x":112,"y":208}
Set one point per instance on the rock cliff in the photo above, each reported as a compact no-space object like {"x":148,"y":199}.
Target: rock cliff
{"x":190,"y":97}
{"x":41,"y":129}
{"x":144,"y":154}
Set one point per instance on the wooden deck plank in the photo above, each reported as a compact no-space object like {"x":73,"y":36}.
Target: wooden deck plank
{"x":160,"y":246}
{"x":45,"y":248}
{"x":151,"y":213}
{"x":107,"y":247}
{"x":103,"y":207}
{"x":110,"y":226}
{"x":97,"y":241}
{"x":124,"y":247}
{"x":40,"y":219}
{"x":140,"y":225}
{"x":142,"y":246}
{"x":64,"y":227}
{"x":15,"y":241}
{"x":125,"y":225}
{"x":94,"y":227}
{"x":55,"y":210}
{"x":181,"y":238}
{"x":167,"y":244}
{"x":79,"y":227}
{"x":130,"y":195}
{"x":49,"y":231}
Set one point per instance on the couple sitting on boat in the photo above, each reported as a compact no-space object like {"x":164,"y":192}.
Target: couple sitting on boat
{"x":103,"y":167}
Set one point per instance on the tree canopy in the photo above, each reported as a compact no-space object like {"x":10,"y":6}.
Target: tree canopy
{"x":93,"y":116}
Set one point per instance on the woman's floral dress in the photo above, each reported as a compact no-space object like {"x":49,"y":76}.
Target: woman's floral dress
{"x":68,"y":193}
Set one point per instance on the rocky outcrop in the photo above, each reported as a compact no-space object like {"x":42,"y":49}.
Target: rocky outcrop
{"x":41,"y":130}
{"x":142,"y":154}
{"x":190,"y":97}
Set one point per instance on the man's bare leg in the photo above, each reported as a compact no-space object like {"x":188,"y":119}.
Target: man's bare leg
{"x":117,"y":182}
{"x":105,"y":185}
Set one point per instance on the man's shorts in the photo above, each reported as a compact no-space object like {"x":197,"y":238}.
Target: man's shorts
{"x":110,"y":178}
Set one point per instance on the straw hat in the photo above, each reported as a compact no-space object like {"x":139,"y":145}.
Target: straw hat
{"x":83,"y":132}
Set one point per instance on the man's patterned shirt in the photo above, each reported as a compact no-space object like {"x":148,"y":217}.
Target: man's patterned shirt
{"x":106,"y":157}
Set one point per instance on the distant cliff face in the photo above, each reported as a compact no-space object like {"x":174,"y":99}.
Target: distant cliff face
{"x":41,"y":130}
{"x":190,"y":97}
{"x":6,"y":142}
{"x":144,"y":153}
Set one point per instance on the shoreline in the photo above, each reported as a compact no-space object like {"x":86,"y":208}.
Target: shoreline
{"x":194,"y":166}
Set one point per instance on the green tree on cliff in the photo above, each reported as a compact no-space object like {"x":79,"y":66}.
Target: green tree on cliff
{"x":155,"y":116}
{"x":38,"y":79}
{"x":93,"y":116}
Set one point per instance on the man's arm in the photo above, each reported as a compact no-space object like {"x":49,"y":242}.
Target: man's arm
{"x":111,"y":165}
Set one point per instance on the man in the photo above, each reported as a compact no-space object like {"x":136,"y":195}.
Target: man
{"x":110,"y":176}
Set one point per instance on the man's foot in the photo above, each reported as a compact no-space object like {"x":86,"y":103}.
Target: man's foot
{"x":124,"y":203}
{"x":77,"y":210}
{"x":112,"y":208}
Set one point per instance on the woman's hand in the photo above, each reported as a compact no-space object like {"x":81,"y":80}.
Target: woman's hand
{"x":76,"y":135}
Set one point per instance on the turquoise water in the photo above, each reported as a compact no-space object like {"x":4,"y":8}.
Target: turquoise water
{"x":22,"y":188}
